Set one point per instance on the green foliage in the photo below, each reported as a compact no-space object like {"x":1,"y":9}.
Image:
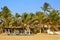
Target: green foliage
{"x":45,"y":6}
{"x":39,"y":17}
{"x":17,"y":15}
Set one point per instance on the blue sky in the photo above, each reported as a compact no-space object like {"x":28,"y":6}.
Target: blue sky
{"x":21,"y":6}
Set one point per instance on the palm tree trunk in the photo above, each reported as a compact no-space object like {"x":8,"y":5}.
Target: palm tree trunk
{"x":40,"y":26}
{"x":40,"y":30}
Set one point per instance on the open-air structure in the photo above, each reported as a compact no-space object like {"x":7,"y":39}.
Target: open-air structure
{"x":14,"y":31}
{"x":19,"y":30}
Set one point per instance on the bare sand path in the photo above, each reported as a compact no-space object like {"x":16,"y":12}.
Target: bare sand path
{"x":35,"y":37}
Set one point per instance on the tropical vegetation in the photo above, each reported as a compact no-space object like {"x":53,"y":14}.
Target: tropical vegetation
{"x":49,"y":17}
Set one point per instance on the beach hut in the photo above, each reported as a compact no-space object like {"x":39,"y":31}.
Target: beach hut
{"x":12,"y":30}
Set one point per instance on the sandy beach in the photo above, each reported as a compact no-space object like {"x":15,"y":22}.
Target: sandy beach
{"x":33,"y":37}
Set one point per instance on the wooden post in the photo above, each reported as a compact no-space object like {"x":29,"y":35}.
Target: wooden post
{"x":1,"y":30}
{"x":8,"y":31}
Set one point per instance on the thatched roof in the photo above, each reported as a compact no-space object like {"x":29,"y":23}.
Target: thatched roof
{"x":13,"y":27}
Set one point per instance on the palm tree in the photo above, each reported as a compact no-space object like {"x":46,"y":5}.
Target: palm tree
{"x":16,"y":20}
{"x":53,"y":18}
{"x":46,"y":7}
{"x":41,"y":17}
{"x":6,"y":15}
{"x":50,"y":17}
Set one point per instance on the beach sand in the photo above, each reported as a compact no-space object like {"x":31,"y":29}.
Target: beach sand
{"x":32,"y":37}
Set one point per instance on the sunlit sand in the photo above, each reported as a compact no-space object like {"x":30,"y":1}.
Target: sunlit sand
{"x":32,"y":37}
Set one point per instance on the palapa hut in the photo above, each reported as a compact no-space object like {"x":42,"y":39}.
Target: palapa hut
{"x":14,"y":31}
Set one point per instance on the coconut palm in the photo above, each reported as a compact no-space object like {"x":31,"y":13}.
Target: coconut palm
{"x":17,"y":19}
{"x":50,"y":17}
{"x":53,"y":18}
{"x":6,"y":15}
{"x":41,"y":17}
{"x":46,"y":7}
